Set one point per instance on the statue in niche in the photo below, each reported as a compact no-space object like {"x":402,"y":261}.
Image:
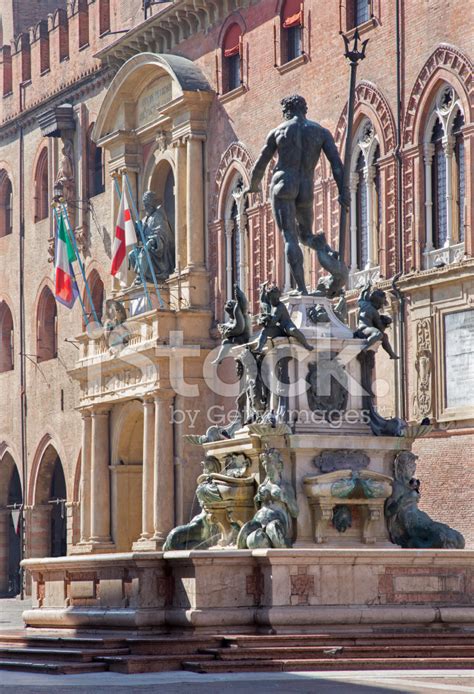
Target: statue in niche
{"x":373,"y":324}
{"x":65,"y":177}
{"x":299,"y":142}
{"x":276,"y":320}
{"x":236,"y":331}
{"x":407,"y":525}
{"x":276,"y":506}
{"x":159,"y":239}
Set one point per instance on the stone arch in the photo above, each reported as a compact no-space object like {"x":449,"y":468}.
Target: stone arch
{"x":48,"y":446}
{"x":11,"y":494}
{"x":447,"y":64}
{"x":234,"y":17}
{"x":126,"y":474}
{"x":370,"y":103}
{"x":127,"y":437}
{"x":47,"y":495}
{"x":237,"y":156}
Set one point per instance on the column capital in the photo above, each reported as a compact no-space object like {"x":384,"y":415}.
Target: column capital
{"x":163,"y":395}
{"x":448,"y":145}
{"x":195,"y":137}
{"x":229,"y":226}
{"x":353,"y":182}
{"x":100,"y":410}
{"x":369,"y":172}
{"x":428,"y":152}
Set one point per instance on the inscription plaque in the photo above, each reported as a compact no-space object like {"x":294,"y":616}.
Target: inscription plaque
{"x":459,"y":358}
{"x":157,"y":94}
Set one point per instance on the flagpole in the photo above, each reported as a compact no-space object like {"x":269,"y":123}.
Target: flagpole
{"x":84,"y":312}
{"x":117,"y":190}
{"x":76,"y":250}
{"x":142,"y":236}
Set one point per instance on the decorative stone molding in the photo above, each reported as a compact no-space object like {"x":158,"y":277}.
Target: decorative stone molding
{"x":236,"y":152}
{"x":446,"y":57}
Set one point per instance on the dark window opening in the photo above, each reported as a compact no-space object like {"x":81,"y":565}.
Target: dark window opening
{"x":438,"y":172}
{"x":57,"y":500}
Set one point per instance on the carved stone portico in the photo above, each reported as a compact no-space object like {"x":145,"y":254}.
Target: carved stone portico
{"x":153,"y":123}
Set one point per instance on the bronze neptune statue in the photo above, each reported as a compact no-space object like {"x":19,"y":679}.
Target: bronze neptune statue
{"x":298,"y":142}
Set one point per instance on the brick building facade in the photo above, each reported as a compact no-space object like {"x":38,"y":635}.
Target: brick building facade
{"x":411,"y":187}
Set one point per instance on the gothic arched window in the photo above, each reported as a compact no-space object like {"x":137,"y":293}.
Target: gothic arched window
{"x":459,"y":177}
{"x":6,"y":205}
{"x":41,"y":187}
{"x":96,"y":287}
{"x":6,"y":338}
{"x":366,"y":203}
{"x":445,"y":179}
{"x":46,"y":327}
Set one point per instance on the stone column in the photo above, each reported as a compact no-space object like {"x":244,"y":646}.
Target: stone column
{"x":195,"y":201}
{"x":85,"y":484}
{"x":148,"y":468}
{"x":181,"y":204}
{"x":448,"y":147}
{"x":100,"y":479}
{"x":369,"y":174}
{"x":243,"y":265}
{"x":163,"y":483}
{"x":353,"y":183}
{"x":229,"y":230}
{"x":428,"y":152}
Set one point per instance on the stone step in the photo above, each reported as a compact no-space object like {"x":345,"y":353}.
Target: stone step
{"x":162,"y":646}
{"x":51,"y":668}
{"x":252,"y":641}
{"x":60,"y":641}
{"x":135,"y":664}
{"x":291,"y":665}
{"x":304,"y":652}
{"x":56,"y":654}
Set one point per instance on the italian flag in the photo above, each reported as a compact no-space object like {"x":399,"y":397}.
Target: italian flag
{"x":66,"y":286}
{"x":125,"y":238}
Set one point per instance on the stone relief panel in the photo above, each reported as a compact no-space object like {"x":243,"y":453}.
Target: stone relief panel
{"x":422,"y":397}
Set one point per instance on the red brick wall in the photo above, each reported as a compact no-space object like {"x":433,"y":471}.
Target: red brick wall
{"x":445,"y":469}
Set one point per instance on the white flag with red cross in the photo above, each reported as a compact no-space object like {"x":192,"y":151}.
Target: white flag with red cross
{"x":125,"y":239}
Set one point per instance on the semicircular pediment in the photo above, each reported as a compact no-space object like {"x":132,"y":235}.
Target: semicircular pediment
{"x":143,"y":85}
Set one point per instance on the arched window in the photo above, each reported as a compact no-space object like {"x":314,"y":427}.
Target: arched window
{"x":439,"y":186}
{"x":361,"y":214}
{"x":235,"y":242}
{"x":6,"y":205}
{"x":96,"y":287}
{"x":46,"y":327}
{"x":6,"y":338}
{"x":41,"y":187}
{"x":459,"y":216}
{"x":445,"y":179}
{"x":232,"y":59}
{"x":291,"y":30}
{"x":366,"y":207}
{"x":95,"y":167}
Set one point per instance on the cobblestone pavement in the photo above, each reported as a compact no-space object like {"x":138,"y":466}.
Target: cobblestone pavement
{"x":11,"y":610}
